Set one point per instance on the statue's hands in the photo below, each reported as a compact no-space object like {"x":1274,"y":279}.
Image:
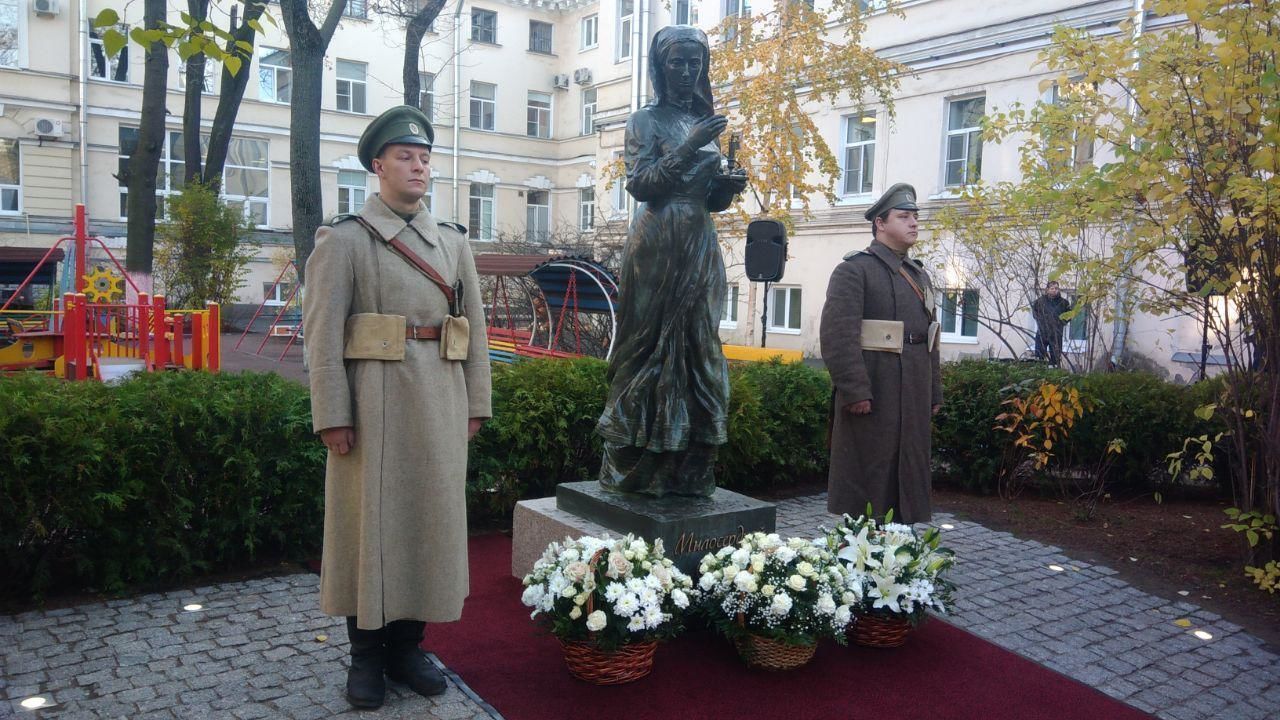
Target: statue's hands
{"x":705,"y":130}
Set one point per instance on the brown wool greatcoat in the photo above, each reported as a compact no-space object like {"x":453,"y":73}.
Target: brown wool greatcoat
{"x":881,"y":458}
{"x":395,"y":519}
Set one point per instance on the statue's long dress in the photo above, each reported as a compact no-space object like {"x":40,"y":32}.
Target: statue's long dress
{"x":668,"y":380}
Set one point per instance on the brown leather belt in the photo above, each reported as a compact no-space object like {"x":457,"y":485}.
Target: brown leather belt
{"x":915,"y":338}
{"x":421,"y":332}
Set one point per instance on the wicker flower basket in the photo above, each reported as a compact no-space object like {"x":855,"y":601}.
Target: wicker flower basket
{"x":876,"y":631}
{"x":767,"y":654}
{"x":588,"y":662}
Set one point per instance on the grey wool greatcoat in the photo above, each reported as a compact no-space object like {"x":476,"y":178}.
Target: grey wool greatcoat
{"x":881,"y":458}
{"x":395,"y":517}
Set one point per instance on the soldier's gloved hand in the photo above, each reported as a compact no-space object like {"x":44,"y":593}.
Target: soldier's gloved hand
{"x":339,"y":439}
{"x":862,"y":407}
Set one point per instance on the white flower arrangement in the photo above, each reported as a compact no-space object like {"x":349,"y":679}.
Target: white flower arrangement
{"x":891,"y":570}
{"x":786,"y":590}
{"x":609,"y":591}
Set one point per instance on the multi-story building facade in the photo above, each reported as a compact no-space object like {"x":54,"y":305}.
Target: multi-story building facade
{"x":529,"y":100}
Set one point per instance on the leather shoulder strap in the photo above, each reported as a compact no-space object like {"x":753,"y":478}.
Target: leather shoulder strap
{"x":412,"y":258}
{"x":454,"y":226}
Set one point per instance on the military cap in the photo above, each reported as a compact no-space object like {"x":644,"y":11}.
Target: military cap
{"x":899,"y":197}
{"x":401,"y":125}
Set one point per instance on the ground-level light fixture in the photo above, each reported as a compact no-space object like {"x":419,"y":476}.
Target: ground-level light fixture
{"x":1203,"y":635}
{"x":32,"y":703}
{"x":193,"y":607}
{"x":1056,"y":568}
{"x":947,"y":526}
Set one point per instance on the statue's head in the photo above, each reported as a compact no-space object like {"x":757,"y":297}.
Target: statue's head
{"x":679,"y":57}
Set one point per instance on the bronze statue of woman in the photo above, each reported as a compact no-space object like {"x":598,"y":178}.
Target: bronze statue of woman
{"x":668,"y":381}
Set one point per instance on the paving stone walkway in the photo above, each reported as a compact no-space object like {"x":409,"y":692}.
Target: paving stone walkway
{"x":254,"y":649}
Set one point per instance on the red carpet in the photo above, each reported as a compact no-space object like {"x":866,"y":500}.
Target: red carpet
{"x":942,"y":673}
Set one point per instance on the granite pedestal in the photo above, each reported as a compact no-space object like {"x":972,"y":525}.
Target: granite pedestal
{"x":689,"y":527}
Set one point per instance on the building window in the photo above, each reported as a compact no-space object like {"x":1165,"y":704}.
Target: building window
{"x":588,"y":111}
{"x":10,"y":36}
{"x":589,"y":32}
{"x":275,"y":76}
{"x":784,"y":310}
{"x":729,"y":315}
{"x":352,"y":86}
{"x":483,"y":103}
{"x":735,"y":9}
{"x":480,"y":215}
{"x":10,"y":177}
{"x":587,"y":209}
{"x":245,"y":180}
{"x":427,"y":95}
{"x":622,"y":35}
{"x":429,"y":198}
{"x":484,"y":26}
{"x":115,"y":68}
{"x":681,"y":13}
{"x":537,"y":216}
{"x":964,"y":141}
{"x":618,"y":192}
{"x":275,"y":295}
{"x":209,"y":72}
{"x":859,"y":154}
{"x":356,"y":9}
{"x":353,"y":185}
{"x":540,"y":37}
{"x":170,"y":173}
{"x":1081,"y":144}
{"x":959,"y":315}
{"x":539,"y":115}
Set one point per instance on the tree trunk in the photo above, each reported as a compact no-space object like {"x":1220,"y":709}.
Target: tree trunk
{"x":141,"y":205}
{"x":230,"y":94}
{"x":191,"y":114}
{"x":307,"y":45}
{"x":414,"y":30}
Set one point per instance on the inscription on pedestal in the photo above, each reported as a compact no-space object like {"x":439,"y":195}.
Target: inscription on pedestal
{"x":689,"y":527}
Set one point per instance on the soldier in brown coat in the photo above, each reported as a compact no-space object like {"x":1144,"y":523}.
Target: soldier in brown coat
{"x":394,"y":411}
{"x":880,"y":343}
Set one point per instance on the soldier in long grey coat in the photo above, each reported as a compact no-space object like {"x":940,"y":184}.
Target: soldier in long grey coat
{"x":880,"y":343}
{"x":395,"y":414}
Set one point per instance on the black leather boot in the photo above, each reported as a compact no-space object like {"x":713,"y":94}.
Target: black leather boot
{"x":407,"y":664}
{"x":366,"y":688}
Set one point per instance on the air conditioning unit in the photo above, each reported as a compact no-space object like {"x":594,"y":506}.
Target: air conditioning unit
{"x":49,"y":128}
{"x":582,"y":76}
{"x":561,"y":82}
{"x":47,"y":8}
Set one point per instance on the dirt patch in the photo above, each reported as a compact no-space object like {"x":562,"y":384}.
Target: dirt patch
{"x":1166,"y":549}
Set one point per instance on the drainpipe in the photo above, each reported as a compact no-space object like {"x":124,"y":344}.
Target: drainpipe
{"x":1120,"y":333}
{"x":83,"y":83}
{"x":642,"y":54}
{"x":457,"y":100}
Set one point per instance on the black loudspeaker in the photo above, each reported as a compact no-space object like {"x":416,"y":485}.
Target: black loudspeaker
{"x":766,"y":257}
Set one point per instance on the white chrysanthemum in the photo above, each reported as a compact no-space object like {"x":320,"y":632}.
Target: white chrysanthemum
{"x":680,"y":599}
{"x":636,"y":624}
{"x":745,"y":581}
{"x":613,"y":591}
{"x":627,"y":605}
{"x":649,"y":597}
{"x":653,"y":617}
{"x":532,"y":596}
{"x":781,"y":604}
{"x":596,"y":621}
{"x":826,"y":604}
{"x":635,"y":585}
{"x":557,"y":583}
{"x":795,"y":582}
{"x":652,"y":581}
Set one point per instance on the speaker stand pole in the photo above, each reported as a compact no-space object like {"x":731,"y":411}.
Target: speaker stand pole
{"x":764,"y":317}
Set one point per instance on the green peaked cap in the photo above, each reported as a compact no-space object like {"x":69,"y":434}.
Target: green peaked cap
{"x":899,"y":197}
{"x":401,"y":125}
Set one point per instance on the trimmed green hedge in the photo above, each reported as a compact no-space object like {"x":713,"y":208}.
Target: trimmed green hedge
{"x":174,"y":474}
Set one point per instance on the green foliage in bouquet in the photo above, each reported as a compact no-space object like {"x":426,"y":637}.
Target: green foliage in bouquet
{"x":610,"y":592}
{"x":891,"y":571}
{"x":785,"y":590}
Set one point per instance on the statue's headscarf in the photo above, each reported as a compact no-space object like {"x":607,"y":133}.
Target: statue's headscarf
{"x":663,"y":41}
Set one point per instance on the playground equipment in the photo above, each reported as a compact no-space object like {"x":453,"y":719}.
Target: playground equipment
{"x":88,"y":334}
{"x":288,"y":319}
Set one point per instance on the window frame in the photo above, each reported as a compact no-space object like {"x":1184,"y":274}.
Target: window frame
{"x":351,"y":187}
{"x":476,"y":227}
{"x":867,"y":154}
{"x":794,"y":294}
{"x":622,"y":31}
{"x":959,"y":313}
{"x":586,"y":209}
{"x":733,"y":8}
{"x":588,"y":117}
{"x":969,"y":133}
{"x":210,"y":72}
{"x":276,"y":71}
{"x":279,"y":293}
{"x":355,"y":89}
{"x":19,"y":49}
{"x":539,"y":215}
{"x":729,"y":313}
{"x":350,"y":9}
{"x":427,"y":94}
{"x":15,"y":188}
{"x":110,"y":66}
{"x":538,"y":118}
{"x":551,"y":37}
{"x":593,"y":22}
{"x":476,"y":104}
{"x":482,"y":28}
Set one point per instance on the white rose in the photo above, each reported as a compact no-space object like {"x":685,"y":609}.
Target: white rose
{"x":757,"y":563}
{"x":706,"y":582}
{"x":568,"y":591}
{"x":619,"y":565}
{"x":781,"y":604}
{"x":575,"y":613}
{"x":576,"y":571}
{"x":795,"y":582}
{"x":805,"y":568}
{"x":596,"y":621}
{"x":745,"y":581}
{"x":741,"y":557}
{"x":767,"y":590}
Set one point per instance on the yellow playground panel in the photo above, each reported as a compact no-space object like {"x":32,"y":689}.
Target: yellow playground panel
{"x":744,"y":353}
